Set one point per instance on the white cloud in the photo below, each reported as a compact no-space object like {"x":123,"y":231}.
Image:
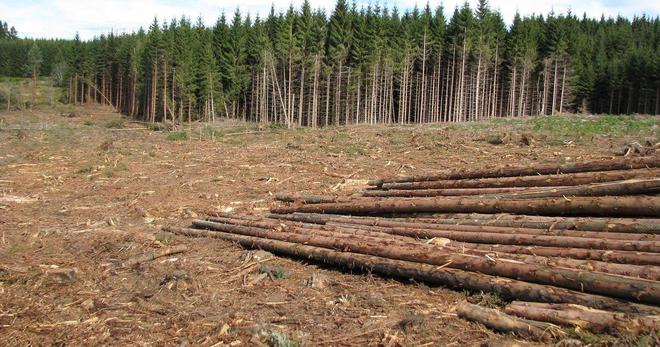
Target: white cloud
{"x":63,"y":18}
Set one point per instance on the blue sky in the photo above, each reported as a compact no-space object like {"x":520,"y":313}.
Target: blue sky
{"x":63,"y":18}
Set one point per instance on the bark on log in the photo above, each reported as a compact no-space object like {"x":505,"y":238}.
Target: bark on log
{"x":621,"y":257}
{"x":606,"y":284}
{"x":621,"y":225}
{"x":412,"y":224}
{"x":595,"y":206}
{"x":500,"y":321}
{"x":573,"y":179}
{"x":340,"y":230}
{"x":627,"y":187}
{"x":154,"y":255}
{"x":535,"y":169}
{"x":507,"y":288}
{"x":591,"y":319}
{"x":445,"y":192}
{"x":306,"y":198}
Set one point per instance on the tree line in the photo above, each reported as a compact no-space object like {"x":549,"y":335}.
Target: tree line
{"x":355,"y":65}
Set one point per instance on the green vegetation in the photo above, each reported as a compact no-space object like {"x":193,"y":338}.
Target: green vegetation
{"x":177,"y":136}
{"x":115,"y":124}
{"x":358,"y":65}
{"x":209,"y":131}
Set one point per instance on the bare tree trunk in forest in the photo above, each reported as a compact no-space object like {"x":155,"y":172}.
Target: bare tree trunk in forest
{"x":422,"y":111}
{"x":165,"y":92}
{"x":327,"y":100}
{"x":300,"y":99}
{"x":512,"y":93}
{"x":476,"y":89}
{"x":563,"y":85}
{"x":554,"y":87}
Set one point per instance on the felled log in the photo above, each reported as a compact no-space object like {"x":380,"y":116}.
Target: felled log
{"x":572,"y":179}
{"x":623,"y":225}
{"x":534,"y":169}
{"x":621,"y":257}
{"x":594,"y":206}
{"x":607,"y":284}
{"x":594,"y":320}
{"x":339,"y":230}
{"x":507,"y":288}
{"x":413,"y":224}
{"x":628,"y":187}
{"x":305,"y":198}
{"x":500,"y":321}
{"x":648,"y":272}
{"x":445,"y":192}
{"x":154,"y":255}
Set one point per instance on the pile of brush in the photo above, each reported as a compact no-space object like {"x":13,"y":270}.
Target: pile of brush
{"x":503,"y":230}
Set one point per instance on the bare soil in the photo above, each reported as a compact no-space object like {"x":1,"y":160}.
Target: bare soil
{"x":81,"y":194}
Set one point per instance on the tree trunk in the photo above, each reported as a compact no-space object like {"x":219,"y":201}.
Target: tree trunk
{"x":425,"y":273}
{"x":611,"y":285}
{"x":535,"y":169}
{"x":593,"y":206}
{"x":568,"y":179}
{"x":594,"y":320}
{"x":503,"y":322}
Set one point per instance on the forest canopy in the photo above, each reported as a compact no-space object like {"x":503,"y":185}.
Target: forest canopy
{"x":373,"y":64}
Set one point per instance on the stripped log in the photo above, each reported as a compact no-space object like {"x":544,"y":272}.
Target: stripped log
{"x":534,"y":169}
{"x":591,"y":319}
{"x":332,"y":230}
{"x":595,"y":206}
{"x":627,"y":187}
{"x":530,"y":240}
{"x":500,"y":321}
{"x":621,"y":257}
{"x":573,"y":179}
{"x":606,"y":284}
{"x":446,"y":192}
{"x":507,"y":288}
{"x":621,"y":225}
{"x":625,"y":225}
{"x":411,"y":224}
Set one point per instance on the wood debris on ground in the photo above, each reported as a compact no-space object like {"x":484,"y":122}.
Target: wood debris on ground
{"x":572,"y":245}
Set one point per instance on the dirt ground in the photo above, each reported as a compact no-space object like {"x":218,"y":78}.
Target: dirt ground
{"x":80,"y":195}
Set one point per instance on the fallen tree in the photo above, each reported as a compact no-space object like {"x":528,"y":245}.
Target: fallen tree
{"x":445,"y":192}
{"x":607,"y":284}
{"x":595,"y":206}
{"x":535,"y":169}
{"x":507,"y":288}
{"x":587,"y":318}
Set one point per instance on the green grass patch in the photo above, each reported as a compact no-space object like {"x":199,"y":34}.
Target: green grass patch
{"x":177,"y":136}
{"x":211,"y":132}
{"x":115,"y":124}
{"x":88,"y":123}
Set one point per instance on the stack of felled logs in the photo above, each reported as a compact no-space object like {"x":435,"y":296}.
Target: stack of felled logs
{"x":570,"y":245}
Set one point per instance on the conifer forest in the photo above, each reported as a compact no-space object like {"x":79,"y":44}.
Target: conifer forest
{"x":356,"y":174}
{"x":356,"y":65}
